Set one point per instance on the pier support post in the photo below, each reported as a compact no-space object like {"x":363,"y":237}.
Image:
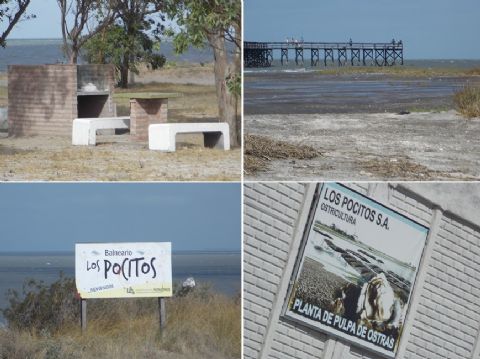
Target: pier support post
{"x":342,"y":56}
{"x":314,"y":57}
{"x":379,"y":57}
{"x":328,"y":54}
{"x":355,"y":55}
{"x":298,"y":54}
{"x":284,"y":54}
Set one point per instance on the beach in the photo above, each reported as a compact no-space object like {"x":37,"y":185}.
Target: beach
{"x":417,"y":146}
{"x":366,"y":124}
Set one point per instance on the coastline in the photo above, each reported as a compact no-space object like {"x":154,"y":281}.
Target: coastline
{"x":379,"y":146}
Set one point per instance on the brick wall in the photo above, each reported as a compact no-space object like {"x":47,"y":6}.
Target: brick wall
{"x":41,"y":99}
{"x":102,"y":76}
{"x":144,"y":112}
{"x":444,"y":319}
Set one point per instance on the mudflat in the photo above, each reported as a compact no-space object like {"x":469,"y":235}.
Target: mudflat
{"x":373,"y":146}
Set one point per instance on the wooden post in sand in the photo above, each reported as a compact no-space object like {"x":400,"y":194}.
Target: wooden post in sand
{"x":83,"y":314}
{"x":162,"y":312}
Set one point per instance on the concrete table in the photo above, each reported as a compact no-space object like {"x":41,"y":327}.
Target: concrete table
{"x":147,"y":108}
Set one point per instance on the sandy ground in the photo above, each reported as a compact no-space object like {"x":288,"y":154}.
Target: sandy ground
{"x":380,"y":146}
{"x":115,"y":158}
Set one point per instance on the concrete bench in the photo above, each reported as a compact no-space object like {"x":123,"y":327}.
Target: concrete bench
{"x":84,"y":130}
{"x":162,"y":136}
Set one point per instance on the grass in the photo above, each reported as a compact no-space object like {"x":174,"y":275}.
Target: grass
{"x":201,"y":324}
{"x":197,"y":101}
{"x":259,"y":150}
{"x":467,"y":101}
{"x":400,"y":71}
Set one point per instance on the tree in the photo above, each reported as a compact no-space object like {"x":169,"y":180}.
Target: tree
{"x":89,"y":17}
{"x":216,"y":22}
{"x":13,"y":11}
{"x":114,"y":46}
{"x":131,"y":39}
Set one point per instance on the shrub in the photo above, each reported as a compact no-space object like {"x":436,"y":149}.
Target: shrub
{"x":42,"y":307}
{"x":467,"y":101}
{"x":44,"y":323}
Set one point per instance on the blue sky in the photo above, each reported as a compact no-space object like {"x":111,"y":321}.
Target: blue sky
{"x":52,"y":217}
{"x":45,"y":26}
{"x":429,"y":28}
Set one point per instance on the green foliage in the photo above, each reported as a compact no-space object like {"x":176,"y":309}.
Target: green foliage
{"x":115,"y":46}
{"x":41,"y":307}
{"x":198,"y":18}
{"x":234,"y":84}
{"x":467,"y":101}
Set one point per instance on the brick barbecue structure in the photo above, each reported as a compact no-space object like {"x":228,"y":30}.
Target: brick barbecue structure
{"x":45,"y":99}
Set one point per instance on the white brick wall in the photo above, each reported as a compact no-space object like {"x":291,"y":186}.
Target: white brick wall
{"x":446,"y":321}
{"x":270,"y":212}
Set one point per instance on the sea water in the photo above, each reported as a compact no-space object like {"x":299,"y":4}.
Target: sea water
{"x":221,"y":270}
{"x":49,"y":51}
{"x":292,"y":89}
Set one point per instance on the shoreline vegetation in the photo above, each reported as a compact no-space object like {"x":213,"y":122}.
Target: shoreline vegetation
{"x":44,"y":323}
{"x":402,"y":71}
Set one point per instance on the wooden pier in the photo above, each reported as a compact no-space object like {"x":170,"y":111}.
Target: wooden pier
{"x":261,"y":54}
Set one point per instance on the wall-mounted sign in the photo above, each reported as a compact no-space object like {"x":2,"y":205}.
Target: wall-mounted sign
{"x":123,"y":270}
{"x":357,"y":270}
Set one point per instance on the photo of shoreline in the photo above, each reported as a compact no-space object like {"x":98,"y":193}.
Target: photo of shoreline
{"x":357,"y":269}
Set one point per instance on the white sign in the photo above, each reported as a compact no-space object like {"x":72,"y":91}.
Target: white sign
{"x":357,"y":270}
{"x":123,"y":270}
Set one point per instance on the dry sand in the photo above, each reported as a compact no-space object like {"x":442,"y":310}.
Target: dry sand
{"x":380,"y":146}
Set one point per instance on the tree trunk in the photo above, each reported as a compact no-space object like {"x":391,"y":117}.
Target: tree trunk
{"x":226,"y":101}
{"x":73,"y":58}
{"x":124,"y":71}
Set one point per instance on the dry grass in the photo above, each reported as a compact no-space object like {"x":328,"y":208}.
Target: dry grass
{"x":115,"y":158}
{"x":474,"y":71}
{"x":398,"y":168}
{"x":197,"y":327}
{"x":259,"y":150}
{"x":467,"y":101}
{"x":196,"y":102}
{"x":404,"y":71}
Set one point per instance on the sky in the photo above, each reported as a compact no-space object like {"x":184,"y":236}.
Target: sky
{"x":404,"y":239}
{"x":45,"y":26}
{"x":430,"y":29}
{"x":53,"y":217}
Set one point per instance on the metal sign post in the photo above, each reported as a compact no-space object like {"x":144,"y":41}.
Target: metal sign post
{"x":83,"y":314}
{"x":162,"y":313}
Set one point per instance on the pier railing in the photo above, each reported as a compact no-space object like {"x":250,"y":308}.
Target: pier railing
{"x":261,"y":54}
